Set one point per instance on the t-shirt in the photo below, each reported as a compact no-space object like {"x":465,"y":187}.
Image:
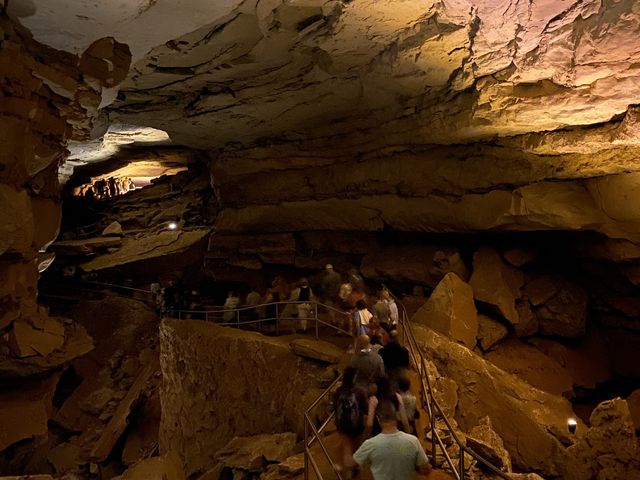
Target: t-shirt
{"x":409,"y":401}
{"x":392,"y":456}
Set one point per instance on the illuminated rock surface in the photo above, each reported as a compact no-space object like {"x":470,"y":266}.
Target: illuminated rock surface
{"x":205,"y":401}
{"x":450,"y":311}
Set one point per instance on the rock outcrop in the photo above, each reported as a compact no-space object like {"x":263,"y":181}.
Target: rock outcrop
{"x":559,"y":305}
{"x":206,"y":399}
{"x":526,"y":418}
{"x":166,"y":467}
{"x":25,"y":410}
{"x":609,"y":448}
{"x":496,"y":283}
{"x":490,"y":332}
{"x":450,"y":310}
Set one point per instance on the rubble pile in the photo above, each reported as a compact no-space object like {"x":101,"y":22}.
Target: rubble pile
{"x":80,"y":418}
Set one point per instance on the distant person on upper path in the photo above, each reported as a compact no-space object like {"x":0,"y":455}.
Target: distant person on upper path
{"x":381,"y":310}
{"x":393,"y":307}
{"x":392,"y":454}
{"x":330,"y":284}
{"x":303,"y":294}
{"x":361,"y":318}
{"x":356,"y":280}
{"x":230,"y":304}
{"x":368,"y":364}
{"x":350,"y":405}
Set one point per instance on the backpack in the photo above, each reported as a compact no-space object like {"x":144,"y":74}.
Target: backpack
{"x":349,"y":419}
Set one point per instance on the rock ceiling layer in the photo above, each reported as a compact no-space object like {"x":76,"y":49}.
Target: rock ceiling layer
{"x":448,"y":71}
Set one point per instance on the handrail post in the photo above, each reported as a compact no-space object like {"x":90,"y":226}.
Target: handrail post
{"x":461,"y":464}
{"x":179,"y":314}
{"x":238,"y":318}
{"x":315,"y":306}
{"x":432,"y":420}
{"x":306,"y":450}
{"x":277,"y":322}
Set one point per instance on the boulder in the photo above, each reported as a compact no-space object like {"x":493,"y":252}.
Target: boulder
{"x":490,"y":332}
{"x":608,"y":450}
{"x":496,"y":283}
{"x":633,"y":401}
{"x":114,"y":229}
{"x":205,"y":397}
{"x":522,"y":415}
{"x":528,"y":323}
{"x":289,"y":468}
{"x":166,"y":467}
{"x":25,"y":340}
{"x":25,"y":409}
{"x":450,"y":310}
{"x":120,"y":418}
{"x":149,"y":246}
{"x":143,"y":434}
{"x":528,"y":363}
{"x":559,"y":305}
{"x":317,"y":350}
{"x":520,"y":256}
{"x":448,"y":260}
{"x":483,"y":440}
{"x":612,"y":432}
{"x":76,"y":343}
{"x":254,"y":453}
{"x":586,"y":362}
{"x":65,"y":457}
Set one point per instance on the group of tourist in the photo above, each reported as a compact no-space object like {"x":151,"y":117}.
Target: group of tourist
{"x":106,"y":188}
{"x":339,"y":293}
{"x":375,"y":413}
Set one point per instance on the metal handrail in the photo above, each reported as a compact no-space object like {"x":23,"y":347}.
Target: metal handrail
{"x":240,"y":322}
{"x":316,"y":437}
{"x":434,"y":408}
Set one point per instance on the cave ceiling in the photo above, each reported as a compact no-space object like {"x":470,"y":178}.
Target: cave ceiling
{"x":366,"y":73}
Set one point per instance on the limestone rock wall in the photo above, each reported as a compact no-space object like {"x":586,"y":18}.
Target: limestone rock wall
{"x":220,"y":382}
{"x":441,"y":189}
{"x":43,"y":102}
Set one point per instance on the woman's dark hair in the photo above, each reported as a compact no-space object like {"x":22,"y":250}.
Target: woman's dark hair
{"x":384,"y":388}
{"x":404,"y":384}
{"x":349,"y":377}
{"x":361,"y":304}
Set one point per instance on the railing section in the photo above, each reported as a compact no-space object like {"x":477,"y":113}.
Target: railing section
{"x":435,"y":411}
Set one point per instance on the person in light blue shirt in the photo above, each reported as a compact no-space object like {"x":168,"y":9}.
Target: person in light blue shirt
{"x":392,"y":454}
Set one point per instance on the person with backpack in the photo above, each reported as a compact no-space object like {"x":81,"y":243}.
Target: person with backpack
{"x":350,"y":405}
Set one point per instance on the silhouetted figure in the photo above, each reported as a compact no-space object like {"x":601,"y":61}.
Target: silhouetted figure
{"x":89,"y":194}
{"x":303,"y":294}
{"x":368,"y":363}
{"x":350,"y":406}
{"x":113,"y":189}
{"x":395,"y":358}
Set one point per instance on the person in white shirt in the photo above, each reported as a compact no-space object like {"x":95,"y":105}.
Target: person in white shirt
{"x":393,"y":308}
